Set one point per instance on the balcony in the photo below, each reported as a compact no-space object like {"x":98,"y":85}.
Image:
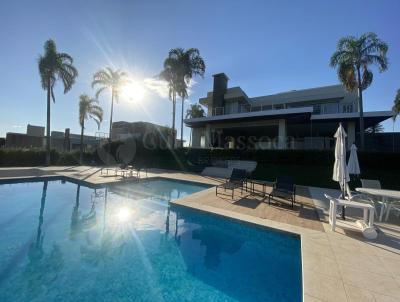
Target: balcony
{"x":323,"y":108}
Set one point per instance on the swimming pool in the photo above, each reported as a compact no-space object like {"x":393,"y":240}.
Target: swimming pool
{"x":64,"y":241}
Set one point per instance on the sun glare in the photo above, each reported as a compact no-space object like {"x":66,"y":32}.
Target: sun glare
{"x":124,"y":214}
{"x":132,"y":91}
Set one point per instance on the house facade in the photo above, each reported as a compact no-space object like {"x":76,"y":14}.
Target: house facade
{"x":298,"y":119}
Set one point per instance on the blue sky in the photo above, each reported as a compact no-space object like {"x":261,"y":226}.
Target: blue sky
{"x":263,"y":46}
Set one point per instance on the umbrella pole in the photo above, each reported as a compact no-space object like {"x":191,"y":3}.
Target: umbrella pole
{"x":343,"y":207}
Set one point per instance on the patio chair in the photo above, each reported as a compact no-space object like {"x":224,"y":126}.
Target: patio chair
{"x":107,"y":169}
{"x":393,"y":206}
{"x":124,"y":170}
{"x":284,"y":188}
{"x":373,"y":184}
{"x":237,"y":180}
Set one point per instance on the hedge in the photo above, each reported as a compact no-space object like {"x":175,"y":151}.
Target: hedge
{"x":307,"y":167}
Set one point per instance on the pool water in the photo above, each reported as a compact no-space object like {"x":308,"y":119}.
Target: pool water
{"x":62,"y":241}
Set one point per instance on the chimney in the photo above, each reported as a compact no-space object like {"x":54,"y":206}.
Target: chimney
{"x":220,"y":87}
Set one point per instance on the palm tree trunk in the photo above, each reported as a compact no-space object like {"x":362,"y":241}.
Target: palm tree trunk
{"x":111,"y":114}
{"x":361,"y":109}
{"x":48,"y":148}
{"x":183,"y":100}
{"x":173,"y":118}
{"x":81,"y":151}
{"x":78,"y":190}
{"x":42,"y":204}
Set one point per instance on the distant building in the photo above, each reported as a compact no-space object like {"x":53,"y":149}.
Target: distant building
{"x":37,"y":131}
{"x":147,"y":132}
{"x":61,"y":141}
{"x":64,"y":141}
{"x":34,"y":138}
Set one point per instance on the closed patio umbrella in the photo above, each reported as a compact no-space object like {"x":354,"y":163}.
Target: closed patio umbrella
{"x":340,"y":173}
{"x":352,"y":165}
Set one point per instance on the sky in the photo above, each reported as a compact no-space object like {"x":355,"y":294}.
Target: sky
{"x":265,"y":47}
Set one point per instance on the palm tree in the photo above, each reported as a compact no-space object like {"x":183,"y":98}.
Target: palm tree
{"x":88,"y":108}
{"x":190,"y":64}
{"x":54,"y":66}
{"x":194,"y":111}
{"x":353,"y":57}
{"x":179,"y":68}
{"x":396,"y":105}
{"x":170,"y":75}
{"x":109,"y":79}
{"x":377,"y":128}
{"x":396,"y":112}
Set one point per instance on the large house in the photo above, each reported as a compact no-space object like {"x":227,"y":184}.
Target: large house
{"x":297,"y":119}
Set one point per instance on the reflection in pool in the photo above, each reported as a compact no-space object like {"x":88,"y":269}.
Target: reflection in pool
{"x":68,"y":242}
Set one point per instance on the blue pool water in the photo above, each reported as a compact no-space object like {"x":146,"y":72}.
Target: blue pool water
{"x":61,"y":241}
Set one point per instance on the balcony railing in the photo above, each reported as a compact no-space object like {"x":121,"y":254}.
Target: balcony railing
{"x":324,"y":108}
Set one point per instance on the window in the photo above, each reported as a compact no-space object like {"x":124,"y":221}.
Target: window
{"x":347,"y":108}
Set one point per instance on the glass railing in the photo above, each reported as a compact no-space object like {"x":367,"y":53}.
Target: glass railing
{"x":324,"y":108}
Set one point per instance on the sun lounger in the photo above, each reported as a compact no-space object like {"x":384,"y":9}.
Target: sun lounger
{"x":284,"y":188}
{"x":236,"y":180}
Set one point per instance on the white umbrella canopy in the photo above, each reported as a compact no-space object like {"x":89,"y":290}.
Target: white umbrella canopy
{"x":340,"y":173}
{"x":352,"y":165}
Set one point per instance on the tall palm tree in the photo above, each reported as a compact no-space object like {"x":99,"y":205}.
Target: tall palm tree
{"x":396,"y":105}
{"x":54,"y":66}
{"x":190,"y":64}
{"x":396,"y":112}
{"x":352,"y":58}
{"x":108,"y":78}
{"x":170,"y":75}
{"x":88,"y":108}
{"x":194,"y":111}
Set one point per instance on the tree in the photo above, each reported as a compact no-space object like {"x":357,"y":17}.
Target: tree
{"x":195,"y":111}
{"x":396,"y":105}
{"x":170,"y":75}
{"x":377,"y":128}
{"x":190,"y":64}
{"x":109,"y":79}
{"x":54,"y":66}
{"x":179,"y":68}
{"x":352,"y":58}
{"x":88,"y":108}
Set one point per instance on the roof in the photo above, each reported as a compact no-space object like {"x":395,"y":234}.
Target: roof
{"x":370,"y":118}
{"x":293,"y":96}
{"x":268,"y":114}
{"x":311,"y":94}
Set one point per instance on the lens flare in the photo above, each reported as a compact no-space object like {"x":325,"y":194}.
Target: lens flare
{"x":124,"y":214}
{"x":133,"y":91}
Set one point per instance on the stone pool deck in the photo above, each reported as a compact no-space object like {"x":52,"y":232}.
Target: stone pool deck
{"x":337,"y":266}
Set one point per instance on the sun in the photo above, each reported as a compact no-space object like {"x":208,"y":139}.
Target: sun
{"x":132,"y":91}
{"x":124,"y":214}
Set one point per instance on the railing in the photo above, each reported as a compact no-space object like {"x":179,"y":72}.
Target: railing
{"x":218,"y":111}
{"x":332,"y":108}
{"x":324,"y":108}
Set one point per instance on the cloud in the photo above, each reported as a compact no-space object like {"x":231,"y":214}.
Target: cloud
{"x":160,"y":87}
